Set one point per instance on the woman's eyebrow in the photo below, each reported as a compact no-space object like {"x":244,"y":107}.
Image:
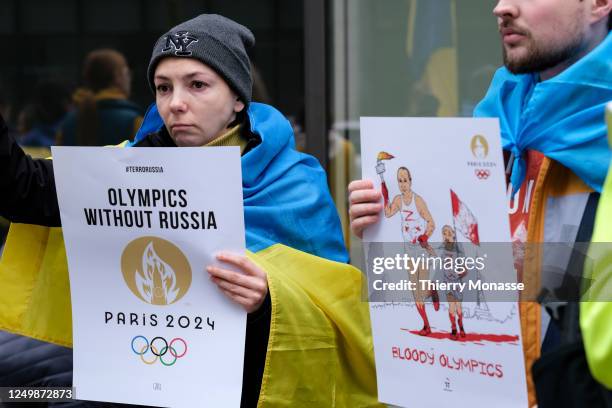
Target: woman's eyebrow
{"x":196,"y":74}
{"x":161,"y":77}
{"x":186,"y":76}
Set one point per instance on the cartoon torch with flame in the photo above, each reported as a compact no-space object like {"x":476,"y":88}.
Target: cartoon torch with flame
{"x":157,"y":283}
{"x":380,"y":170}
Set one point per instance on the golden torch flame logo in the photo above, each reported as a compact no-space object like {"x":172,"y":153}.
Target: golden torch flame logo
{"x":158,"y":286}
{"x":155,"y":270}
{"x":479,"y":147}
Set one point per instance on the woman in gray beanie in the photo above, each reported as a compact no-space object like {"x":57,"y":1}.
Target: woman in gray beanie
{"x":200,"y":74}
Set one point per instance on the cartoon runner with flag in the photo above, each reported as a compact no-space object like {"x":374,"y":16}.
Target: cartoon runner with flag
{"x":466,"y":223}
{"x":450,"y":248}
{"x":417,"y":226}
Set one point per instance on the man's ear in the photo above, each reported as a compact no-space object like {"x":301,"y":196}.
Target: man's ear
{"x":600,"y":9}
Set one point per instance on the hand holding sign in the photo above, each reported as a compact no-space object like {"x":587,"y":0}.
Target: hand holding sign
{"x":248,"y":289}
{"x":365,"y":205}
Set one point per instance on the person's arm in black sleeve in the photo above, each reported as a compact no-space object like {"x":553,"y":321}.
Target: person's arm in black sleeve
{"x":255,"y":350}
{"x":27,"y":186}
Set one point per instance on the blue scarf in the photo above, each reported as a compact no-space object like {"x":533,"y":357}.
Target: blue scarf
{"x":286,"y":198}
{"x":562,"y":117}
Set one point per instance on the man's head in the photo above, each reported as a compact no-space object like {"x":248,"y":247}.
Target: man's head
{"x":404,"y":179}
{"x":201,"y":75}
{"x":106,"y":68}
{"x":547,"y":36}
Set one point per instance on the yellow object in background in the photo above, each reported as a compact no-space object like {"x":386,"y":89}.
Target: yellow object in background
{"x":596,"y":314}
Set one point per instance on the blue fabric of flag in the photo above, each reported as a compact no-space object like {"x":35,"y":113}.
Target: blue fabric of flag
{"x":285,"y":193}
{"x":562,"y":117}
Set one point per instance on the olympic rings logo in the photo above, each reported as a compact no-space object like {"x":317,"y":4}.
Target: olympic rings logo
{"x":482,"y":174}
{"x":141,"y":347}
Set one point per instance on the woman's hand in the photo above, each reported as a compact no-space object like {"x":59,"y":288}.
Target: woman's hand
{"x":364,"y":205}
{"x":248,"y":289}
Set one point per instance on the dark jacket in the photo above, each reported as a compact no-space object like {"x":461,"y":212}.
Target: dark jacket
{"x":117,"y":119}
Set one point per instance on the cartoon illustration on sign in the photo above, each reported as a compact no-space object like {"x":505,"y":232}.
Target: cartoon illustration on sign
{"x":442,"y":284}
{"x":417,"y":225}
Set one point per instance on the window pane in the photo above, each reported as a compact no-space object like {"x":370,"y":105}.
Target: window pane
{"x":403,"y":58}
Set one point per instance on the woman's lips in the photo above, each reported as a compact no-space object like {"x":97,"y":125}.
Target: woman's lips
{"x":180,"y":127}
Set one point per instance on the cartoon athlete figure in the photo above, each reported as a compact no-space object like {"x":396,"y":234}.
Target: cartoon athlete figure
{"x":450,"y":248}
{"x":417,"y":226}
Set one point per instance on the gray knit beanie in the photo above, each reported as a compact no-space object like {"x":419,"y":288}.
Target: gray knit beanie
{"x":216,"y":41}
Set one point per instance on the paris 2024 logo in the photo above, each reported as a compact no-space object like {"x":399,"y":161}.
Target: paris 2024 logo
{"x":155,"y":270}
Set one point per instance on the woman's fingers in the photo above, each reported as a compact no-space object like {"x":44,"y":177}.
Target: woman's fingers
{"x":233,"y":288}
{"x":241,"y":300}
{"x":230,"y":276}
{"x":248,"y":287}
{"x":241,"y":262}
{"x":249,"y":303}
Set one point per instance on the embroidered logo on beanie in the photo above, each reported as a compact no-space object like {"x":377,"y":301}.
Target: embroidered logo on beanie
{"x":180,"y":41}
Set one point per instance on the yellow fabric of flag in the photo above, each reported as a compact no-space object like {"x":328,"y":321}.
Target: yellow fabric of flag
{"x":35,"y":285}
{"x":320,"y":351}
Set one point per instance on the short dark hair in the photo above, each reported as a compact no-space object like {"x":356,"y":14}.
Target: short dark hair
{"x":609,"y":22}
{"x":102,"y":68}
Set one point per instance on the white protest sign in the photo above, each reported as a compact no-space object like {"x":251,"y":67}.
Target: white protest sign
{"x":140,"y":226}
{"x":441,"y":277}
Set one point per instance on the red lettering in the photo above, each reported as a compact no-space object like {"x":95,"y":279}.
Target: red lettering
{"x":473,"y":364}
{"x":422,"y":357}
{"x":463,"y":363}
{"x":498,"y":370}
{"x":489,"y":369}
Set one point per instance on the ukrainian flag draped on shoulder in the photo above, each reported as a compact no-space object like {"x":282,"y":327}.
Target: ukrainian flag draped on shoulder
{"x":286,"y":198}
{"x":561,"y":117}
{"x":320,"y":350}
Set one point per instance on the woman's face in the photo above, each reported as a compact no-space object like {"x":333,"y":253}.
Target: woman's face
{"x":195,"y":103}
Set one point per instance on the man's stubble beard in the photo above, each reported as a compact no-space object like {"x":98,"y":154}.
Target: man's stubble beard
{"x":541,"y":58}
